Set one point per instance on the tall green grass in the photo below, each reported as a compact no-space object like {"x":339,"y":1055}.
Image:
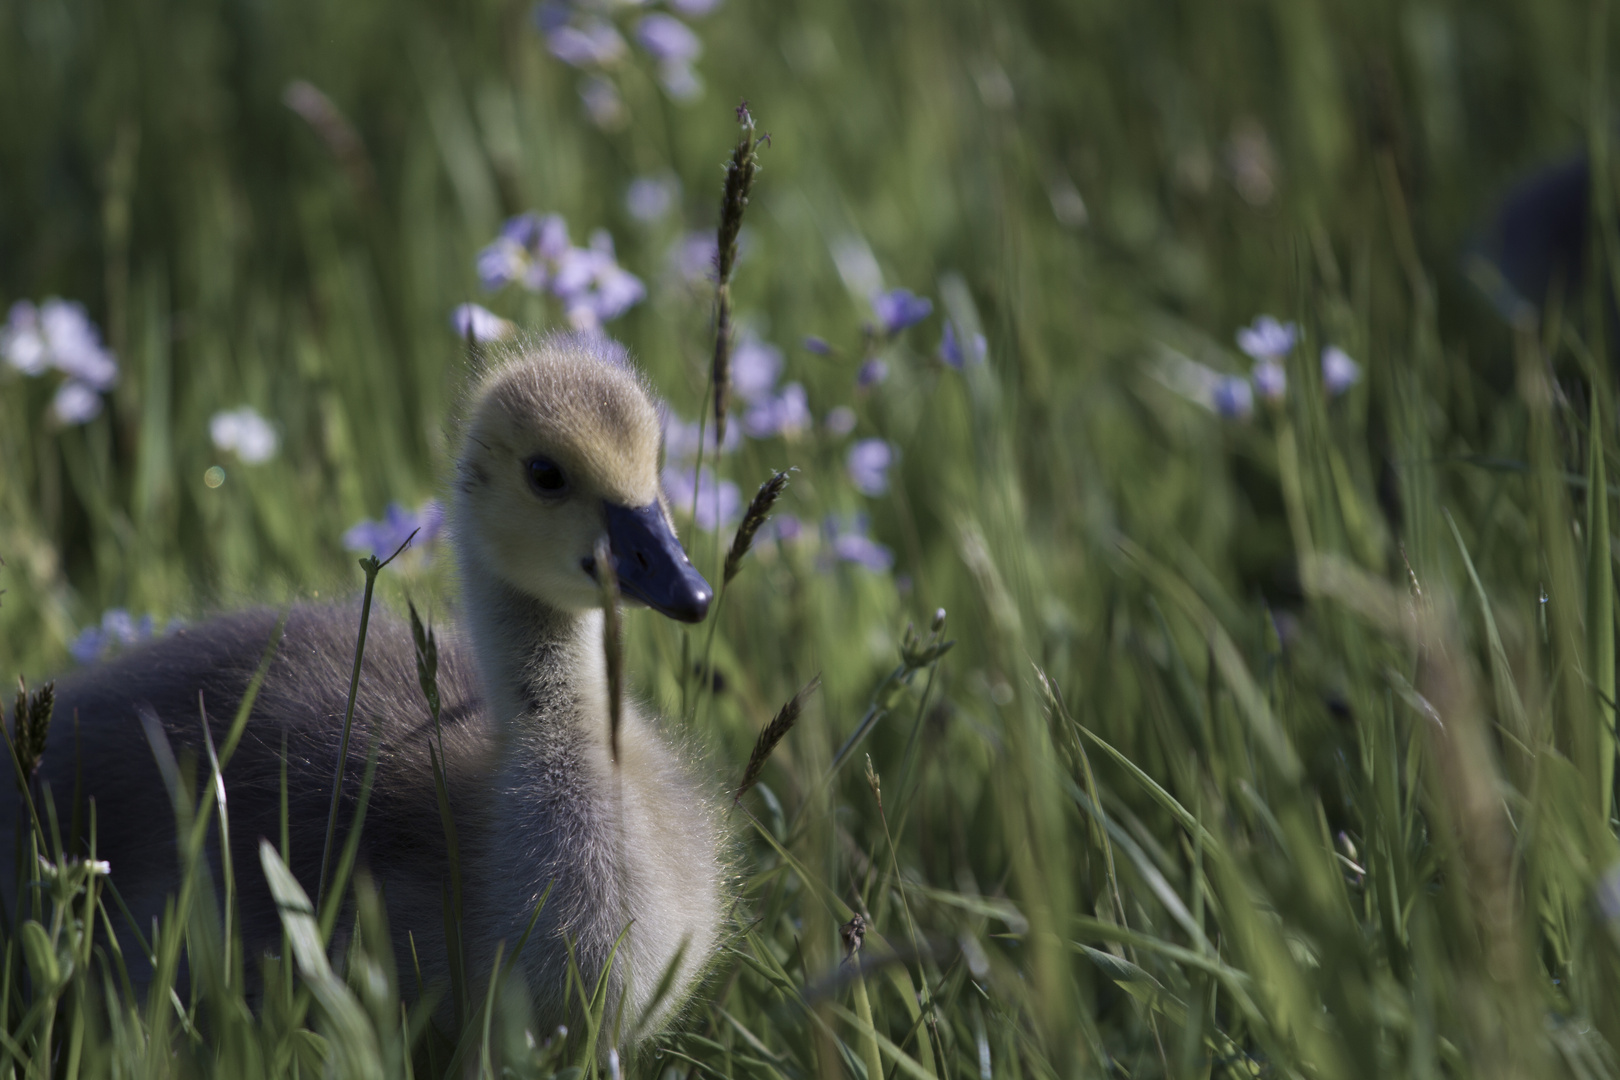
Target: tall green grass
{"x":1279,"y":748}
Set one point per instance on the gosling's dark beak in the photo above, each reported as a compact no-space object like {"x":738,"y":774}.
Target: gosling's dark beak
{"x":652,"y":565}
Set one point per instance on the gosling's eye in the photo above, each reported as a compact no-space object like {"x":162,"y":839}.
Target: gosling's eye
{"x":545,"y":477}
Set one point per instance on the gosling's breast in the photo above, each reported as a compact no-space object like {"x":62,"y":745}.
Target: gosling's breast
{"x":634,"y":847}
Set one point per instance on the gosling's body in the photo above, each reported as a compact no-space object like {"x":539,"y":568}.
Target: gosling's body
{"x":630,"y":848}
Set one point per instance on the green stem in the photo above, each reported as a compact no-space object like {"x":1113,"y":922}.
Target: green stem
{"x":372,"y":567}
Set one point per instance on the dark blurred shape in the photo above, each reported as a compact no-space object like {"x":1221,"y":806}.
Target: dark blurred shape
{"x":1537,"y":241}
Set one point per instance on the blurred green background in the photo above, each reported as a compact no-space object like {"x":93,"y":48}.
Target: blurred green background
{"x":1288,"y":868}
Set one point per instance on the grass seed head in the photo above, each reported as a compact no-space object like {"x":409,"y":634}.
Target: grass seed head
{"x":740,"y":172}
{"x":774,"y":733}
{"x":758,"y":511}
{"x":31,"y":721}
{"x":427,"y":661}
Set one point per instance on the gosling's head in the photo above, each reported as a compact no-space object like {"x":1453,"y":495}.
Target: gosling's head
{"x":561,"y":448}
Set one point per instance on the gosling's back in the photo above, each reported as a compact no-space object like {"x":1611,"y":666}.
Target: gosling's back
{"x":99,"y":744}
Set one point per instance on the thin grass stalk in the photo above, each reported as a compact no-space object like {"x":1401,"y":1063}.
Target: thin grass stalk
{"x":1600,"y":608}
{"x":613,"y":652}
{"x":177,"y":912}
{"x":759,"y":510}
{"x":485,"y":1068}
{"x":915,"y":654}
{"x":1574,"y":728}
{"x":76,"y":806}
{"x":251,"y":695}
{"x":666,"y":981}
{"x":688,"y":696}
{"x":924,"y":1041}
{"x":351,"y":843}
{"x":607,"y":577}
{"x":908,"y":757}
{"x":372,"y":568}
{"x":595,"y":1011}
{"x":6,"y":1022}
{"x":740,"y":171}
{"x":76,"y":1031}
{"x":427,"y":673}
{"x":216,"y":781}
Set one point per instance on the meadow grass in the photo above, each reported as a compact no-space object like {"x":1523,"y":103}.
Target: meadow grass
{"x":1266,"y":747}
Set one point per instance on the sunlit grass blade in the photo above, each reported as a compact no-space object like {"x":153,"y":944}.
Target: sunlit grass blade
{"x":352,"y":1040}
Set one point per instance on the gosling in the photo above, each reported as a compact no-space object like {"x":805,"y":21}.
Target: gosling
{"x":560,"y":448}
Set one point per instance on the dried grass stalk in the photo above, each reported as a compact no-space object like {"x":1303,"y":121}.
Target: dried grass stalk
{"x":31,"y":720}
{"x":740,"y":172}
{"x":758,"y":511}
{"x":774,"y":733}
{"x":607,"y":576}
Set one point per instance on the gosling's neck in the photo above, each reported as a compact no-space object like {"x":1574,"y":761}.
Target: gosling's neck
{"x":539,"y":664}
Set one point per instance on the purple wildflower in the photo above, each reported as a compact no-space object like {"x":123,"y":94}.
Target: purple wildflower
{"x":786,"y":414}
{"x":783,"y":528}
{"x":75,"y":345}
{"x":526,"y":245}
{"x":868,"y":464}
{"x":840,"y":421}
{"x":479,"y":323}
{"x":57,"y":334}
{"x":75,"y":403}
{"x":592,"y":286}
{"x":245,"y":433}
{"x":550,"y":237}
{"x":1270,"y":379}
{"x":548,"y":15}
{"x":88,"y":646}
{"x":649,"y":199}
{"x":900,"y":308}
{"x":383,"y":538}
{"x":502,"y":261}
{"x":1233,"y":397}
{"x":1339,"y":372}
{"x":680,"y":485}
{"x":667,"y":39}
{"x":117,"y":628}
{"x":694,"y":9}
{"x":755,"y":367}
{"x":695,"y":256}
{"x":1268,"y":339}
{"x":680,"y":80}
{"x":21,"y":342}
{"x":617,"y":290}
{"x":850,"y":543}
{"x":523,"y":230}
{"x":872,"y":372}
{"x":612,"y":292}
{"x":951,"y":351}
{"x":602,"y":102}
{"x":591,"y":44}
{"x":681,"y":439}
{"x":817,"y":345}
